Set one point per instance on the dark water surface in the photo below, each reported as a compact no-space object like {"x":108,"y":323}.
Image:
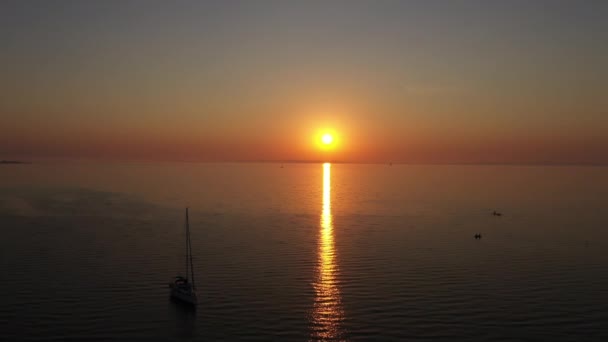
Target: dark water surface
{"x":304,"y":252}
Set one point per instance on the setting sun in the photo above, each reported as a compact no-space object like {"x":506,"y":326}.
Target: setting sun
{"x":327,"y":139}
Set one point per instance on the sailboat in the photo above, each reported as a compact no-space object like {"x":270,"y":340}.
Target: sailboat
{"x":184,"y":288}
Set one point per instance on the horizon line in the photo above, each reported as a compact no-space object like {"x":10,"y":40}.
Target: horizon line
{"x":299,"y":161}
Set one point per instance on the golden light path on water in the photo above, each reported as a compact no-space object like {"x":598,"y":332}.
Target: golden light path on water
{"x":327,"y":313}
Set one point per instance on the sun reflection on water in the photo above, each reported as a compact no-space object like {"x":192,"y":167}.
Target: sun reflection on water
{"x":327,"y":313}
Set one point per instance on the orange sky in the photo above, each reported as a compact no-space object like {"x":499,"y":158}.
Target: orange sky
{"x":402,"y":82}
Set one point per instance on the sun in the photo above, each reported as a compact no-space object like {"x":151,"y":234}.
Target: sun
{"x":327,"y":139}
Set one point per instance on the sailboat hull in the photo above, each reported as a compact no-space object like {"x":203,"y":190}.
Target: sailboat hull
{"x":185,"y":297}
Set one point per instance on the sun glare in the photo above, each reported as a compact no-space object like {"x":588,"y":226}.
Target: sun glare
{"x":327,"y":138}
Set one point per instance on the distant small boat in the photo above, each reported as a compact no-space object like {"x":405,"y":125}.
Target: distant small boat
{"x":183,"y":288}
{"x":496,"y":213}
{"x":477,"y":236}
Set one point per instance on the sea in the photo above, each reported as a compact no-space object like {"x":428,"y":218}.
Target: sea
{"x":303,"y":252}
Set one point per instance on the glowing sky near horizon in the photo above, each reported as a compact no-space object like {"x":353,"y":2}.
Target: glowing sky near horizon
{"x":400,"y":81}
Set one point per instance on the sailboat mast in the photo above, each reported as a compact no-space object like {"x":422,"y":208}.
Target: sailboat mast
{"x":187,"y":245}
{"x":190,"y":249}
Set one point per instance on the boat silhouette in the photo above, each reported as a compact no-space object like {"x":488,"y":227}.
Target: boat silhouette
{"x":183,"y":288}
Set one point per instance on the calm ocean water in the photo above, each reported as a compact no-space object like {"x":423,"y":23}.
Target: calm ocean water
{"x":304,"y":252}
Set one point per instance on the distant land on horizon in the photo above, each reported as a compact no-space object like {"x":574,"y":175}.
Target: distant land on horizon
{"x":13,"y":162}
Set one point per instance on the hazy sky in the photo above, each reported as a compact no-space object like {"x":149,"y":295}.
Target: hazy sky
{"x":411,"y":81}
